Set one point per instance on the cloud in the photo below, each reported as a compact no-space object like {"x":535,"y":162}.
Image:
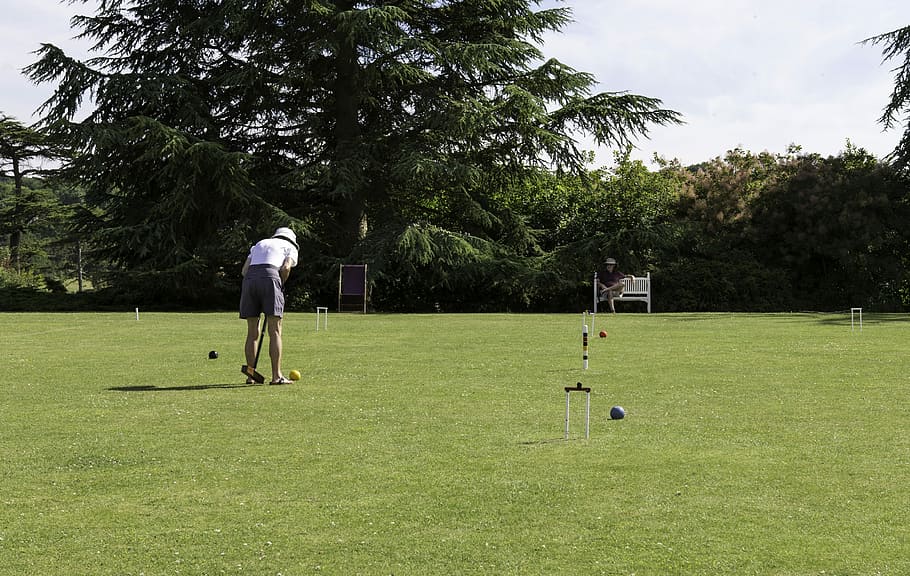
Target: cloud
{"x":757,"y":75}
{"x":24,"y":27}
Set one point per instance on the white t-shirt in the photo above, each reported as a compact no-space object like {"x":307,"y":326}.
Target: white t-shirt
{"x":273,"y":251}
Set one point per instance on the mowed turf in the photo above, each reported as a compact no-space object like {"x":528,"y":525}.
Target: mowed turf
{"x":433,"y":444}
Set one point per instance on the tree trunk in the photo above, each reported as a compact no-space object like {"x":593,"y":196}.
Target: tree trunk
{"x":79,"y":263}
{"x":350,"y":187}
{"x":15,"y":237}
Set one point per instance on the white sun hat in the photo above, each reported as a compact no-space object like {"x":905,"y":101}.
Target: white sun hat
{"x":286,"y":234}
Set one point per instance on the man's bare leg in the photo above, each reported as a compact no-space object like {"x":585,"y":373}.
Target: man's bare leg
{"x":275,"y":347}
{"x":613,"y":291}
{"x":252,"y":340}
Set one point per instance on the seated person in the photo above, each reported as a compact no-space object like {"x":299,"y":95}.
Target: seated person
{"x":609,"y":282}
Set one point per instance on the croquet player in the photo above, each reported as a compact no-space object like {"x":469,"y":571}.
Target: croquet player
{"x":609,"y":282}
{"x":264,"y":273}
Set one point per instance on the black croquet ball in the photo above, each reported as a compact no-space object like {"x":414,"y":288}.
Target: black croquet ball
{"x":213,"y":355}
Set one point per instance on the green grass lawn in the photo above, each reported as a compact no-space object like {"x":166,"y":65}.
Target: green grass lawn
{"x":433,"y":444}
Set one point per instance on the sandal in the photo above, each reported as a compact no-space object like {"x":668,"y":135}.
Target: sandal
{"x":281,"y":380}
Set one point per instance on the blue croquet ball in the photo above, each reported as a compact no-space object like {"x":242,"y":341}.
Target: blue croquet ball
{"x":213,"y":355}
{"x":617,"y":413}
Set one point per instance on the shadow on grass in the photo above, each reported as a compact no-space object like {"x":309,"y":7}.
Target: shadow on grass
{"x":552,"y":441}
{"x":835,"y":317}
{"x":151,"y":388}
{"x":869,"y":318}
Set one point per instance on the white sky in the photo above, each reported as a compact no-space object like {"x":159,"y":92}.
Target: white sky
{"x":756,"y":74}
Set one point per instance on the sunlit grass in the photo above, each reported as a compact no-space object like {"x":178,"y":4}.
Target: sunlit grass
{"x":433,"y":444}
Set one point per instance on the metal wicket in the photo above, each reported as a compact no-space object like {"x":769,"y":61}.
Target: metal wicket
{"x":325,"y":317}
{"x":852,"y":312}
{"x":587,"y":390}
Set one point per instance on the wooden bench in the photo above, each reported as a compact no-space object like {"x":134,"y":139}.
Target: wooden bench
{"x":637,"y":289}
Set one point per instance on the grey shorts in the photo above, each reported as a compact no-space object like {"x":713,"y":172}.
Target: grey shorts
{"x":261,"y":292}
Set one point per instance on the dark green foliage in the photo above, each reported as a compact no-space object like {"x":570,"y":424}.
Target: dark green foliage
{"x":896,"y":46}
{"x":428,"y":268}
{"x":27,"y":207}
{"x":717,"y":195}
{"x":214,"y":121}
{"x":33,"y":298}
{"x":792,"y":232}
{"x":624,"y":212}
{"x":839,"y":227}
{"x":32,"y":225}
{"x":721,"y":282}
{"x":436,"y":143}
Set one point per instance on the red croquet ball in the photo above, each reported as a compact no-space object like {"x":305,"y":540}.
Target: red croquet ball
{"x":603,"y":333}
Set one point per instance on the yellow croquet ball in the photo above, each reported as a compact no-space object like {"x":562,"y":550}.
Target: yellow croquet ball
{"x":294,"y":375}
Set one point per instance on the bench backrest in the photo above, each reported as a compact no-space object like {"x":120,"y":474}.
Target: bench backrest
{"x":637,"y":285}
